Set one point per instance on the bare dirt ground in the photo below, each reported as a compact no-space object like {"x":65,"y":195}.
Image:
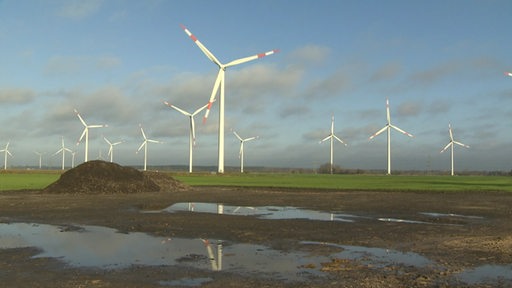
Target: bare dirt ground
{"x":470,"y":243}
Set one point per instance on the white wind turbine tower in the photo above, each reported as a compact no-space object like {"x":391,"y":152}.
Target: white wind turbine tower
{"x":333,"y":137}
{"x":450,"y":144}
{"x":111,"y":148}
{"x":192,"y":133}
{"x":63,"y":149}
{"x":388,"y":128}
{"x":73,"y":153}
{"x":6,"y":152}
{"x":145,"y":145}
{"x":219,"y":82}
{"x":40,"y":158}
{"x":86,"y":134}
{"x":241,"y":153}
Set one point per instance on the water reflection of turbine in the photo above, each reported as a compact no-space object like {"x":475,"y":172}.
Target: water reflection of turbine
{"x":216,"y":264}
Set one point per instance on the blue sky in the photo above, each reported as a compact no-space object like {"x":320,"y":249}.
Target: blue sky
{"x":438,"y":62}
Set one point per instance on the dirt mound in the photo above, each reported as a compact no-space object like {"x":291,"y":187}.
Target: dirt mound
{"x":100,"y":177}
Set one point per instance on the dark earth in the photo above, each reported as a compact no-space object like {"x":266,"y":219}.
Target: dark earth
{"x":103,"y":194}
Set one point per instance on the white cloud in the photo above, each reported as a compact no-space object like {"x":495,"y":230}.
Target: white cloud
{"x":16,"y":95}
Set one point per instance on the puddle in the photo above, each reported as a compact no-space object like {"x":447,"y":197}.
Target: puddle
{"x":450,"y":215}
{"x":487,"y":273}
{"x":396,"y":220}
{"x":100,"y":247}
{"x":262,"y":212}
{"x":106,"y":248}
{"x":376,"y":256}
{"x":188,"y":282}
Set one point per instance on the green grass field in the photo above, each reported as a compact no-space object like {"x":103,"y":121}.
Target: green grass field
{"x":34,"y":180}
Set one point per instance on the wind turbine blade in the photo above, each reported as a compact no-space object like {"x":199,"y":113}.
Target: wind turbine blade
{"x":251,"y":138}
{"x":154,"y":141}
{"x":60,"y":150}
{"x":110,"y":150}
{"x":446,"y":147}
{"x":96,"y":126}
{"x":177,"y":109}
{"x":117,"y":143}
{"x":401,"y":131}
{"x":107,"y":141}
{"x":250,"y":58}
{"x":7,"y":151}
{"x":193,"y":130}
{"x":143,"y":134}
{"x":79,"y":139}
{"x":201,"y":46}
{"x":508,"y":74}
{"x":200,"y":109}
{"x":341,"y":141}
{"x":328,"y":137}
{"x":237,"y":136}
{"x":450,"y":130}
{"x":461,"y":144}
{"x":214,"y":93}
{"x":388,"y":116}
{"x":80,"y":117}
{"x":141,"y":145}
{"x":241,"y":150}
{"x":378,"y":132}
{"x":69,"y":150}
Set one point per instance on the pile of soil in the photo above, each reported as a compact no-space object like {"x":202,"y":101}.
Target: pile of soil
{"x":100,"y":177}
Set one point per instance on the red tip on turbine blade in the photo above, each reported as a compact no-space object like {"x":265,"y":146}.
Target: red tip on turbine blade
{"x":276,"y":50}
{"x":261,"y":55}
{"x":204,"y":120}
{"x":183,"y":26}
{"x":209,"y":105}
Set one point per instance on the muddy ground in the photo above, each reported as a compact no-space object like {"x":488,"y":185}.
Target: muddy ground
{"x":472,"y":242}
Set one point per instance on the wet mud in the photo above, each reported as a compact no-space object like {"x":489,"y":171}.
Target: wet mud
{"x":390,"y":239}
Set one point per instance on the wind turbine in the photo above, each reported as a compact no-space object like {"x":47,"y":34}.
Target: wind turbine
{"x":388,"y":128}
{"x":111,"y":148}
{"x":40,"y":158}
{"x":192,"y":136}
{"x":63,"y":149}
{"x":241,"y":153}
{"x":450,"y":144}
{"x":145,"y":145}
{"x":6,"y":152}
{"x":219,"y":82}
{"x":332,"y":137}
{"x":86,"y":134}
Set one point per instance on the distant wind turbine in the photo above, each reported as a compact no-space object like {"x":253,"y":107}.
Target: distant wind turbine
{"x":40,"y":158}
{"x":219,"y":82}
{"x":6,"y":152}
{"x":145,"y":145}
{"x":63,"y":149}
{"x":450,"y":144}
{"x":216,"y":264}
{"x":192,"y":133}
{"x":388,"y":128}
{"x":241,"y":153}
{"x":111,"y":148}
{"x":332,"y":137}
{"x":86,"y":134}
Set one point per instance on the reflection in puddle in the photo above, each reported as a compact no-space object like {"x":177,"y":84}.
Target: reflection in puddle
{"x":449,"y":215}
{"x":188,"y":282}
{"x":263,"y":212}
{"x":93,"y":246}
{"x":376,"y":256}
{"x":288,"y":212}
{"x":486,"y":273}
